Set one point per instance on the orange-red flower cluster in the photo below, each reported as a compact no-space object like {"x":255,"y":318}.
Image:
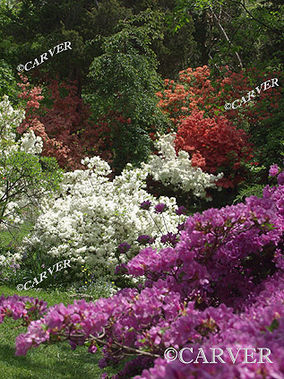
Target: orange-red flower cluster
{"x":215,"y":145}
{"x":197,"y":89}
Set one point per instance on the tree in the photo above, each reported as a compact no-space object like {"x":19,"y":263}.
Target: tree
{"x":228,"y":23}
{"x":124,"y":80}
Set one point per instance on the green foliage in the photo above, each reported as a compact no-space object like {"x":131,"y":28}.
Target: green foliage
{"x":255,"y":183}
{"x":249,"y":190}
{"x":35,"y":26}
{"x":8,"y":83}
{"x":24,"y":179}
{"x":124,"y":77}
{"x":11,"y":239}
{"x":268,"y":138}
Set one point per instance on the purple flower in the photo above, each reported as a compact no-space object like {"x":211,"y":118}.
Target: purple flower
{"x":181,"y":210}
{"x":92,"y":349}
{"x":22,"y":345}
{"x":123,"y":247}
{"x":170,"y":238}
{"x":102,"y":363}
{"x":145,"y":205}
{"x":73,"y":345}
{"x":273,"y":170}
{"x":181,"y":226}
{"x":160,"y":208}
{"x":56,"y":320}
{"x":144,"y":239}
{"x":280,"y":178}
{"x":15,"y":266}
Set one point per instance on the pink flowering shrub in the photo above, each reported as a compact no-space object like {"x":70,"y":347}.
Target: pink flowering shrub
{"x":221,"y":285}
{"x":261,"y":325}
{"x":222,"y":253}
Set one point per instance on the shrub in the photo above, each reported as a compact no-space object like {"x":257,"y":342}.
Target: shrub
{"x":124,"y":79}
{"x":199,"y":90}
{"x":91,"y":216}
{"x":222,"y":285}
{"x":63,"y":123}
{"x":8,"y":82}
{"x":25,"y":177}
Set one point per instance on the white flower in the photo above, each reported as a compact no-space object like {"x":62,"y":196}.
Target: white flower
{"x":3,"y":260}
{"x":177,"y":170}
{"x":30,"y":143}
{"x":90,"y":215}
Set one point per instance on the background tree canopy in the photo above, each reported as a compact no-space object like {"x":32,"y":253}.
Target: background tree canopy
{"x":235,"y":32}
{"x":121,"y":50}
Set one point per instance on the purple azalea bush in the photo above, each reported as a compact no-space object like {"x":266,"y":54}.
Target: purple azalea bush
{"x":221,"y":284}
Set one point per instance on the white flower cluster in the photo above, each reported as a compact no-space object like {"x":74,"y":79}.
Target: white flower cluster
{"x":177,"y":170}
{"x":92,"y":215}
{"x":9,"y":258}
{"x":30,"y":143}
{"x":10,"y":119}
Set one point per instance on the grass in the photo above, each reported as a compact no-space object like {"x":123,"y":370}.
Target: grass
{"x":44,"y":362}
{"x":14,"y":236}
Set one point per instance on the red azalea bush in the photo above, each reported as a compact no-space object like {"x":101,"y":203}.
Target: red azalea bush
{"x":64,"y":125}
{"x":66,"y":121}
{"x":215,"y":145}
{"x":212,"y":135}
{"x":107,"y":134}
{"x":53,"y":128}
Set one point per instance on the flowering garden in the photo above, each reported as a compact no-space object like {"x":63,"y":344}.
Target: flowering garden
{"x":139,"y":215}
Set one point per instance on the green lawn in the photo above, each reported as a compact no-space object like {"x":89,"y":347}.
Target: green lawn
{"x":44,"y":362}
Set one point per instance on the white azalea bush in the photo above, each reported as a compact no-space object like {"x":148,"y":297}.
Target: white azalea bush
{"x":92,"y":216}
{"x":22,"y":179}
{"x":177,"y":170}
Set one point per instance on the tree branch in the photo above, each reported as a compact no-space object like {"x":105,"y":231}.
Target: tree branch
{"x":226,"y":36}
{"x":255,"y":19}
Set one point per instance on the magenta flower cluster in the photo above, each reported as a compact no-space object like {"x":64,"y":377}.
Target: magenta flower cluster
{"x":274,"y":170}
{"x":222,"y":253}
{"x":21,"y":307}
{"x":262,"y":325}
{"x":221,"y":284}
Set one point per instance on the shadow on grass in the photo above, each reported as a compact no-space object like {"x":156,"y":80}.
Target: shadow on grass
{"x":50,"y":362}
